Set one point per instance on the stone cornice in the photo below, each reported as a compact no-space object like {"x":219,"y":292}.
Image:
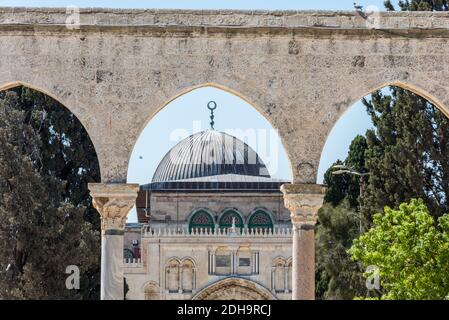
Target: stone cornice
{"x":413,"y":24}
{"x":122,"y":190}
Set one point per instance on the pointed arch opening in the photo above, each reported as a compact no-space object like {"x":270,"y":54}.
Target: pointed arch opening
{"x":47,"y":155}
{"x":354,"y":120}
{"x":186,"y":115}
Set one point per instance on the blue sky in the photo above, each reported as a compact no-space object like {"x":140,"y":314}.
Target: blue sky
{"x":188,"y":114}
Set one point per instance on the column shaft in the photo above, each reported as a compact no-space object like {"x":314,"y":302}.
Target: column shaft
{"x":303,"y":263}
{"x":303,"y":202}
{"x":112,"y":286}
{"x":113,"y":202}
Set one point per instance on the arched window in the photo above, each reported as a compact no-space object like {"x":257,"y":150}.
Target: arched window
{"x":172,"y":273}
{"x":278,"y":275}
{"x":201,"y":220}
{"x":260,"y":220}
{"x":188,"y":275}
{"x":227,"y":218}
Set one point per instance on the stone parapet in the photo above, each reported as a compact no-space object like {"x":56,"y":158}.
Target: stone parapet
{"x":148,"y":232}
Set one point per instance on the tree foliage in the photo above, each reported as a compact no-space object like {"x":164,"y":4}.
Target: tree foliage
{"x":338,"y":224}
{"x":419,"y":5}
{"x":408,"y":152}
{"x":45,"y":224}
{"x":338,"y":276}
{"x":68,"y":153}
{"x":345,"y":186}
{"x":411,"y":251}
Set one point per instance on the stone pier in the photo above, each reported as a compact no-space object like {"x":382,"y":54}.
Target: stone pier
{"x":303,"y":201}
{"x":113,"y":202}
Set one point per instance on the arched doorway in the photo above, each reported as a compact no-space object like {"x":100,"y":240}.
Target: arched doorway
{"x":234,"y":289}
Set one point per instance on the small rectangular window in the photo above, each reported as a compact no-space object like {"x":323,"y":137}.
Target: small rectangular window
{"x":223,"y":261}
{"x":244,"y":262}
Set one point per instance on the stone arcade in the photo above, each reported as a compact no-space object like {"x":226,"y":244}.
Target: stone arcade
{"x":300,"y":70}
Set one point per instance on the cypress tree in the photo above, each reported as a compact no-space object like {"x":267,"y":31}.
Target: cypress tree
{"x":408,"y":152}
{"x":46,"y":160}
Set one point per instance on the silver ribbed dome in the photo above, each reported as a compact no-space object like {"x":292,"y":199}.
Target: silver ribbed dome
{"x":209,"y":153}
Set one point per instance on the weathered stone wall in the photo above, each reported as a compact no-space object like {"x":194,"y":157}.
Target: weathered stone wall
{"x":301,"y":70}
{"x":159,"y":250}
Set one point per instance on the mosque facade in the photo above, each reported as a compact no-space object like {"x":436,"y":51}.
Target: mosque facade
{"x":211,"y":225}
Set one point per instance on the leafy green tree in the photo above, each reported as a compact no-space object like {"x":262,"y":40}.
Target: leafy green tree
{"x":411,"y":251}
{"x":408,"y":152}
{"x":44,"y":226}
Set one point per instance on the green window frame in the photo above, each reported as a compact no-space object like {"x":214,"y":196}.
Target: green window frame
{"x":226,"y":220}
{"x":128,"y":254}
{"x":201,"y":220}
{"x":260,"y":220}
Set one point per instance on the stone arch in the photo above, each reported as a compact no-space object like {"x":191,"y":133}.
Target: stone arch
{"x":434,"y":98}
{"x":180,"y":91}
{"x":67,"y":105}
{"x":151,"y":291}
{"x":205,"y":214}
{"x":225,"y":218}
{"x":254,"y":222}
{"x":234,"y":289}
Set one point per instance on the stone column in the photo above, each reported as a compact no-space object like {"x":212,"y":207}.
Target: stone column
{"x":113,"y":202}
{"x":303,"y":201}
{"x":286,"y":279}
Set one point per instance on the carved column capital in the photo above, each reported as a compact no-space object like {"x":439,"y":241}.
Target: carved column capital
{"x":113,"y":202}
{"x":303,"y":201}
